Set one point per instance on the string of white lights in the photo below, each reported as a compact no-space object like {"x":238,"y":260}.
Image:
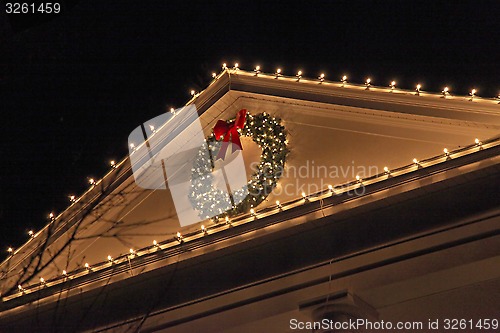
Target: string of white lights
{"x":252,"y":215}
{"x":322,"y":79}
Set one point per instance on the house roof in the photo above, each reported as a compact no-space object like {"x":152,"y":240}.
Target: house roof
{"x":329,"y":123}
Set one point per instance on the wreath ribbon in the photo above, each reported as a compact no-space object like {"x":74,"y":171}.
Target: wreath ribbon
{"x":230,"y":133}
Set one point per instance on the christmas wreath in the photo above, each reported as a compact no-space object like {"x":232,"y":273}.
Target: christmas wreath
{"x":267,"y":132}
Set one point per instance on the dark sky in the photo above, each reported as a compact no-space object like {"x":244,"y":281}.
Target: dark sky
{"x":72,"y":88}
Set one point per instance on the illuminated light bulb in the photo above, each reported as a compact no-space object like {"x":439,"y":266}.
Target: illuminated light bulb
{"x":368,"y":83}
{"x":132,"y":146}
{"x":10,"y":250}
{"x":478,"y":142}
{"x":21,"y":289}
{"x":298,"y":75}
{"x":236,"y":66}
{"x":112,"y":163}
{"x":72,"y":198}
{"x":358,"y":179}
{"x":42,"y":280}
{"x":51,"y":216}
{"x":278,"y":204}
{"x":472,"y":94}
{"x":110,"y":259}
{"x":214,"y":75}
{"x":91,"y":181}
{"x":179,"y":237}
{"x":252,"y":211}
{"x":498,"y":97}
{"x":417,"y":90}
{"x":321,"y":78}
{"x":31,"y":233}
{"x":415,"y":161}
{"x":224,"y":66}
{"x":193,"y":92}
{"x":155,"y":243}
{"x":386,"y":170}
{"x":172,"y":110}
{"x":64,"y":273}
{"x":304,"y":196}
{"x":344,"y":80}
{"x":330,"y":188}
{"x":393,"y":85}
{"x":203,"y":229}
{"x":132,"y":252}
{"x":227,"y":220}
{"x":278,"y":73}
{"x":87,"y":266}
{"x":446,"y":152}
{"x":256,"y":70}
{"x":152,"y":128}
{"x":445,"y":92}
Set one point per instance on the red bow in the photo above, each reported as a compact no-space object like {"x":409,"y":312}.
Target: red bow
{"x":230,"y":133}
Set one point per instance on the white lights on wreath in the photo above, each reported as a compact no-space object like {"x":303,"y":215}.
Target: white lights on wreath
{"x":393,"y":85}
{"x":417,"y":89}
{"x":298,"y":75}
{"x":445,"y":92}
{"x":209,"y":201}
{"x":472,"y":94}
{"x":368,"y":84}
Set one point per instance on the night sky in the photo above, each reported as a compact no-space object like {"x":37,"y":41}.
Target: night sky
{"x":73,"y":87}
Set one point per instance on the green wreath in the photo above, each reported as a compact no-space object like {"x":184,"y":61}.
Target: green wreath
{"x":270,"y":135}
